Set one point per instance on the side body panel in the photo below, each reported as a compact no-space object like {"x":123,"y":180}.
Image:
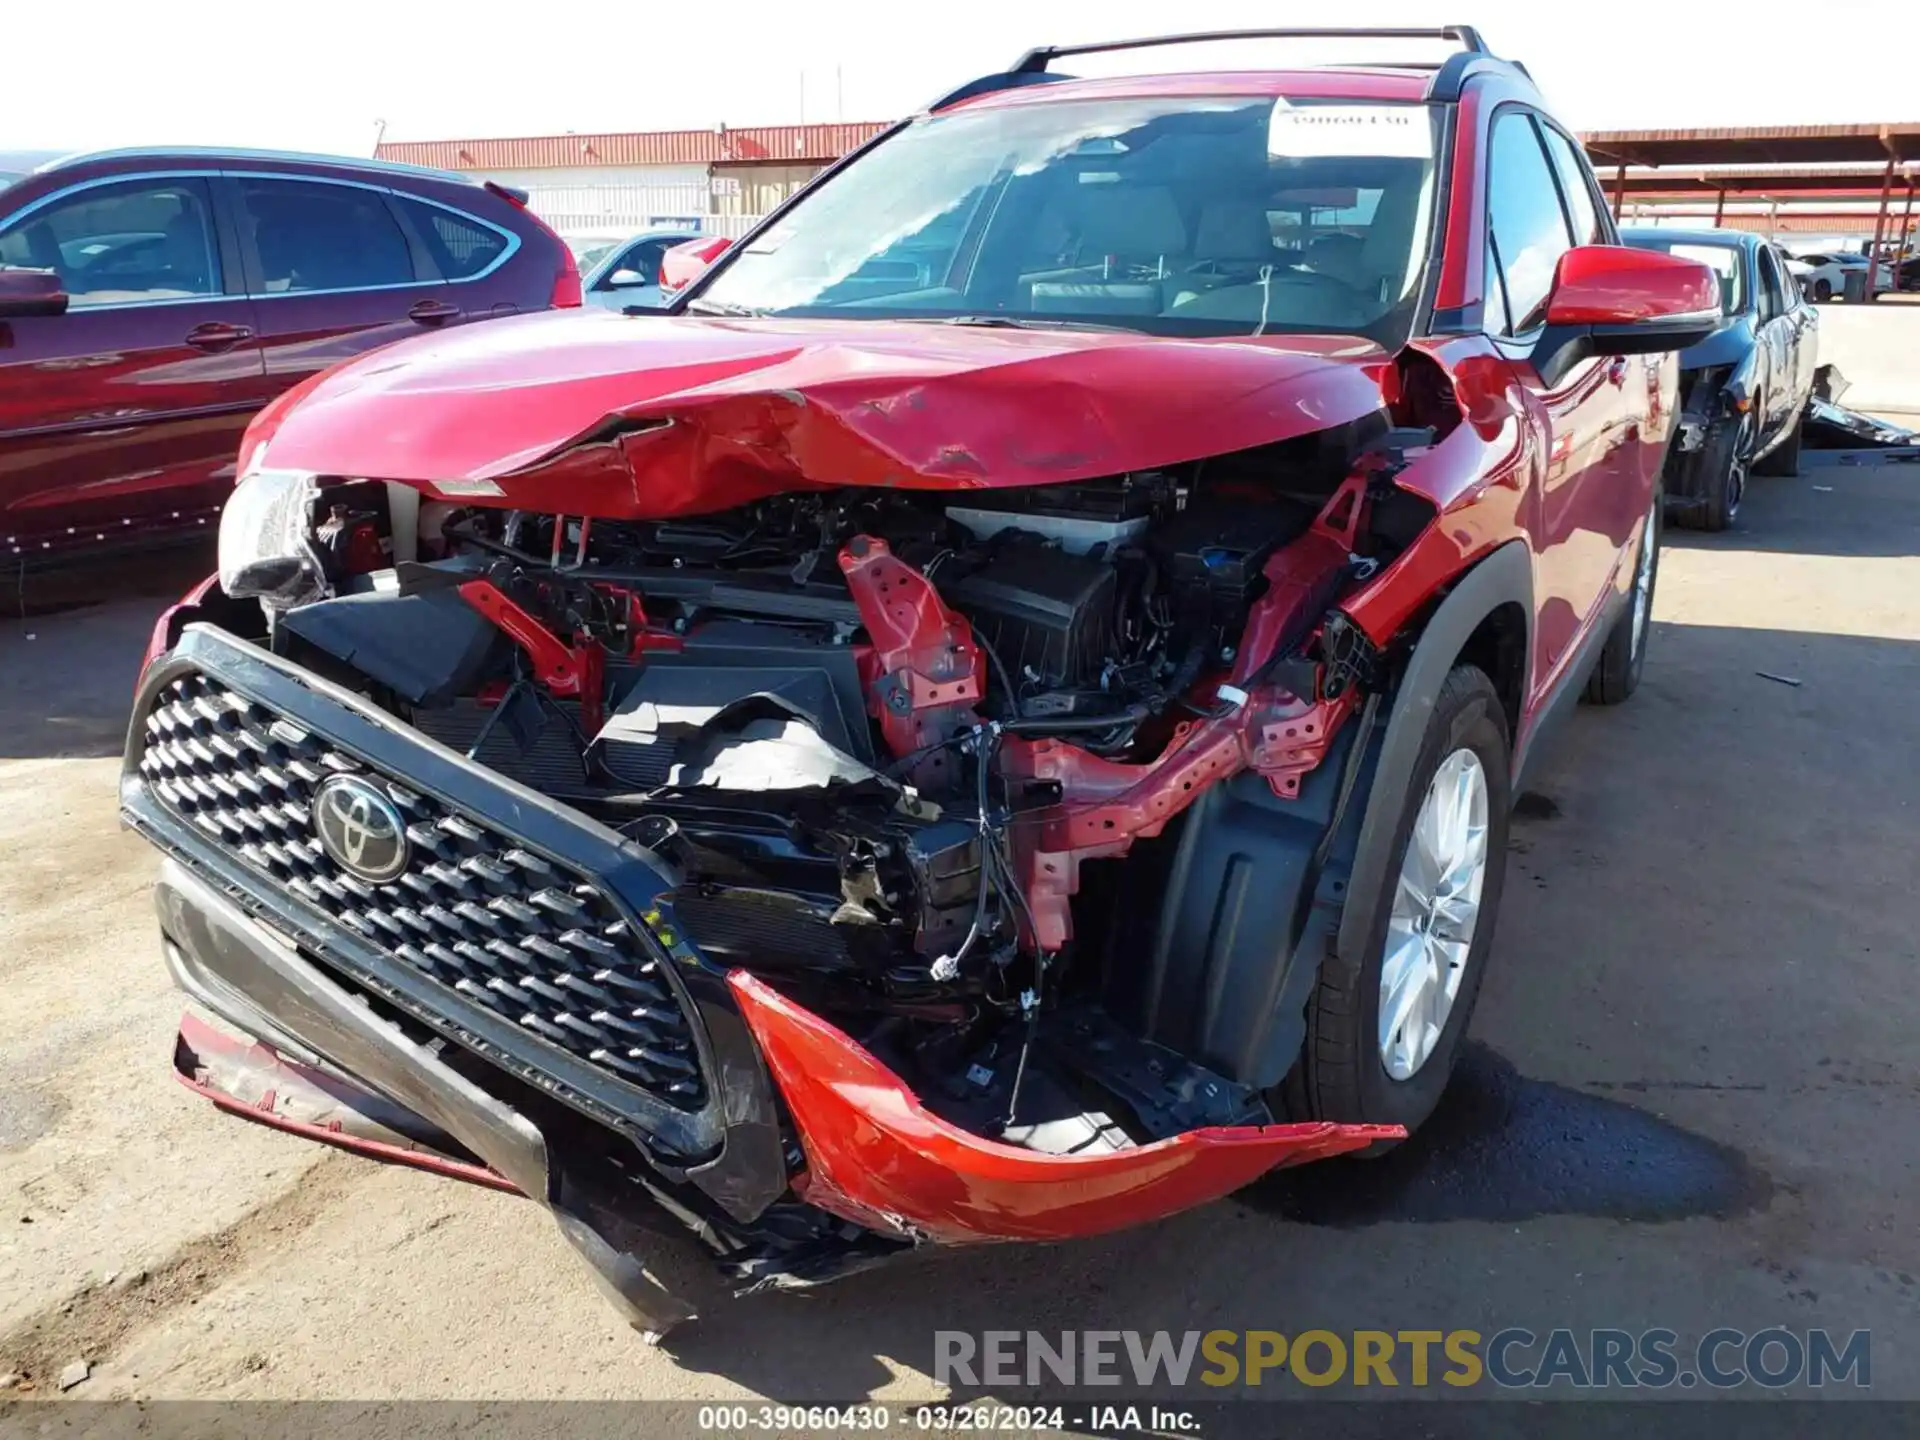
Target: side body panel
{"x":1800,"y":330}
{"x":1592,"y":457}
{"x":1774,"y":358}
{"x":120,"y":418}
{"x":1585,"y":455}
{"x":305,"y":330}
{"x":124,"y":419}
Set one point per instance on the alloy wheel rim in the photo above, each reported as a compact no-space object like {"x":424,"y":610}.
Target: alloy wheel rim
{"x":1737,"y":470}
{"x":1435,"y":912}
{"x":1643,"y":578}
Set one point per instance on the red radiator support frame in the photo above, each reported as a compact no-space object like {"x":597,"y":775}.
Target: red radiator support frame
{"x":576,"y":671}
{"x":926,"y":669}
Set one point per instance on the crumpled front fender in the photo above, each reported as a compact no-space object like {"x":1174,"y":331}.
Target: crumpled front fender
{"x":878,"y":1157}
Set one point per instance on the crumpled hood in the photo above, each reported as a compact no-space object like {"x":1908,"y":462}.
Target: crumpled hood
{"x":599,"y":414}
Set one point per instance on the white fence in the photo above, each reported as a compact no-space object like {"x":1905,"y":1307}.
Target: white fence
{"x":590,"y":211}
{"x":731,"y":226}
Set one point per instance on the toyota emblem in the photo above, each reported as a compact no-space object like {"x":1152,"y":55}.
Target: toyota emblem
{"x":360,"y":829}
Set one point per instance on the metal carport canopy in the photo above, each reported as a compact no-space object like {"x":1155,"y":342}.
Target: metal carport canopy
{"x":1757,"y":145}
{"x":1789,"y":183}
{"x":1808,"y":145}
{"x":1812,"y":183}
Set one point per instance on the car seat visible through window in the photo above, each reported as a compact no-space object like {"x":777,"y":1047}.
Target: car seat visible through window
{"x":1127,"y":242}
{"x":1231,"y":241}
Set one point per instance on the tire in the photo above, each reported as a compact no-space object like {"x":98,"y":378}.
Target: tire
{"x":1784,"y":458}
{"x":1722,"y":469}
{"x":1822,"y":290}
{"x":1342,"y":1073}
{"x":1623,"y":655}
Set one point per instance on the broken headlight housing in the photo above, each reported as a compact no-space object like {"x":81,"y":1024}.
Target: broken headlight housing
{"x":266,"y":538}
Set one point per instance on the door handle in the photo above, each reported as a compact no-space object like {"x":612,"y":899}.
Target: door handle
{"x":216,"y":336}
{"x":432,"y":312}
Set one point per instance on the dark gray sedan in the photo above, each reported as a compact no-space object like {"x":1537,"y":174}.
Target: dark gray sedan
{"x":1744,"y":388}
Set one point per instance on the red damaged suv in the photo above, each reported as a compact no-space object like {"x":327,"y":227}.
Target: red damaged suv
{"x":995,"y":719}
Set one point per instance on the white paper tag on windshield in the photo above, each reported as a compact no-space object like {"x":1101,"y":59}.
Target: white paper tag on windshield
{"x":1310,"y":132}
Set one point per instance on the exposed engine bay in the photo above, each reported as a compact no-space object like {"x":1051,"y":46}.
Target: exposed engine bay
{"x":897,"y":747}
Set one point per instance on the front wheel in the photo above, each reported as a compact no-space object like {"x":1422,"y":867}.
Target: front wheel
{"x":1383,"y":1026}
{"x":1722,"y":473}
{"x":1822,"y":290}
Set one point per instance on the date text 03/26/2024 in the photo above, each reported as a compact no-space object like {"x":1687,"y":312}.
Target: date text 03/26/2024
{"x":945,"y":1419}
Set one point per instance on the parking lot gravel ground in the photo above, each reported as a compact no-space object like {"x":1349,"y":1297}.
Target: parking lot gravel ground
{"x":1689,"y":1101}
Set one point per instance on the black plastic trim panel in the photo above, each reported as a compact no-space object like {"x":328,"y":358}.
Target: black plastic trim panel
{"x":1505,"y":575}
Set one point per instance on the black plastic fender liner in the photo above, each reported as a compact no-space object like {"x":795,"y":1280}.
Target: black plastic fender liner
{"x":1248,"y":906}
{"x":1504,"y":577}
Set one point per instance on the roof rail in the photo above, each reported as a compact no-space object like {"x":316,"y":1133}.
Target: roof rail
{"x":1465,"y":36}
{"x":1449,"y":75}
{"x":1451,"y":78}
{"x":1008,"y":80}
{"x":242,"y":154}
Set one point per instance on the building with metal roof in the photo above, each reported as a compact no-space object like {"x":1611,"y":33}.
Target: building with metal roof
{"x":611,"y":184}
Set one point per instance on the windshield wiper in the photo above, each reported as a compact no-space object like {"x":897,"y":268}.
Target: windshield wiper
{"x":1024,"y":322}
{"x":721,"y":307}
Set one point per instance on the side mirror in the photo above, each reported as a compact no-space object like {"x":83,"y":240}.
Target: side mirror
{"x":686,"y":262}
{"x":1616,"y":300}
{"x":626,"y":279}
{"x":30,"y":292}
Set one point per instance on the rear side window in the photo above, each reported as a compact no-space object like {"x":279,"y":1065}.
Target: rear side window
{"x":130,"y":243}
{"x":322,"y":237}
{"x":1575,"y":185}
{"x":461,"y":246}
{"x":1523,"y":212}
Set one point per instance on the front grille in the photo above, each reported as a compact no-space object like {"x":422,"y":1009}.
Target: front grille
{"x":535,"y":943}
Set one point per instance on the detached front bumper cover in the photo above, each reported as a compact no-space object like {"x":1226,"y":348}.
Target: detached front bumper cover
{"x":877,"y":1156}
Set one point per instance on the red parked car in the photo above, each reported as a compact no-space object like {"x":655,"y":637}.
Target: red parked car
{"x":151,"y":301}
{"x":995,"y":720}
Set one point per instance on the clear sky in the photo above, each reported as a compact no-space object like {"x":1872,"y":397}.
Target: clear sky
{"x":321,"y":76}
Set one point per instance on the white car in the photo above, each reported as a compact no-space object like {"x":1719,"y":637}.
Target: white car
{"x":1823,"y":274}
{"x":590,"y":250}
{"x":626,"y":276}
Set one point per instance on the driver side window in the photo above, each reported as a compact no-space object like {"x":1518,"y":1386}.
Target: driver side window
{"x":644,"y":260}
{"x":1524,"y":218}
{"x":132,"y":242}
